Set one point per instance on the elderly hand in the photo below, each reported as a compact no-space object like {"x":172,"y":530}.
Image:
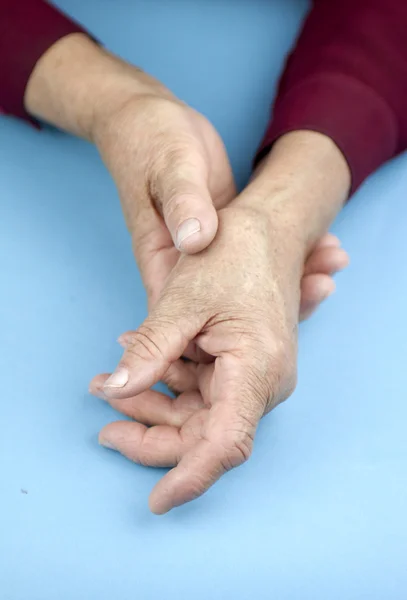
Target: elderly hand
{"x":238,"y":301}
{"x":167,"y":160}
{"x":173,"y":174}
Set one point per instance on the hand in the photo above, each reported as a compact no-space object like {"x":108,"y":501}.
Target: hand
{"x":317,"y":284}
{"x":172,"y":172}
{"x":239,"y":301}
{"x":179,"y":177}
{"x":168,"y":162}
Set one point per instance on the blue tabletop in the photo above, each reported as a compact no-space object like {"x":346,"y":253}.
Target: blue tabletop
{"x":319,"y":512}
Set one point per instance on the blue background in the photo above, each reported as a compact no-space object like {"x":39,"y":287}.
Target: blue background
{"x":319,"y":512}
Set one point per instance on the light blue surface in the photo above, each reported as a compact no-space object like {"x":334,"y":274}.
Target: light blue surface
{"x":319,"y":513}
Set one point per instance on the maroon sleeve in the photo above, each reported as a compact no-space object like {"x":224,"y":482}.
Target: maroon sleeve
{"x":347,"y":78}
{"x":27,"y":29}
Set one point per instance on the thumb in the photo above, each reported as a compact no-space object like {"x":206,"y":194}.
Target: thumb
{"x":181,"y":194}
{"x":151,"y":350}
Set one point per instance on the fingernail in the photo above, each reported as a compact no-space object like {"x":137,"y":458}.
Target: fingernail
{"x":107,"y":444}
{"x":118,"y":379}
{"x":185,"y":230}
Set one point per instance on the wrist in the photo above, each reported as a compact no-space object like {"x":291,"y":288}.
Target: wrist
{"x":300,"y":186}
{"x":76,"y":84}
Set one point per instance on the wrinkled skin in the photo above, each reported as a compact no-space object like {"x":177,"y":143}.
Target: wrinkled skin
{"x":239,"y":303}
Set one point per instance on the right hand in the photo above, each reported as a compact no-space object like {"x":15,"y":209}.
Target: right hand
{"x":170,"y":166}
{"x":167,"y":160}
{"x":173,"y":174}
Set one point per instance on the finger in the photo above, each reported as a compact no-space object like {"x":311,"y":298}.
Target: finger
{"x":151,"y":407}
{"x":226,"y":443}
{"x":329,"y":240}
{"x":181,"y":192}
{"x":159,"y":342}
{"x":327,"y":260}
{"x":159,"y":446}
{"x":314,"y":290}
{"x":196,"y":354}
{"x":181,"y":375}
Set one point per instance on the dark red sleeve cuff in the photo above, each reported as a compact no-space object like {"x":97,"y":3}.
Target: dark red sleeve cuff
{"x":347,"y":78}
{"x":27,"y":29}
{"x":353,"y":115}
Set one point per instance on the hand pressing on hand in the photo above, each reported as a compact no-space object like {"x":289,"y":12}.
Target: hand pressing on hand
{"x":173,"y":175}
{"x":317,"y":284}
{"x":168,"y":162}
{"x":238,"y":302}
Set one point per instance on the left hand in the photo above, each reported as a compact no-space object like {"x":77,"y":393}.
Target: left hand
{"x":239,"y":301}
{"x":317,"y":284}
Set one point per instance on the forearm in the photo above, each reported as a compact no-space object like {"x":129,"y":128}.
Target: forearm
{"x":76,"y":83}
{"x":346,"y":78}
{"x":300,"y":186}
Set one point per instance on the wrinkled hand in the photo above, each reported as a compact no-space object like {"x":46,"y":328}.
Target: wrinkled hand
{"x":239,"y":301}
{"x":173,"y":175}
{"x":168,"y":162}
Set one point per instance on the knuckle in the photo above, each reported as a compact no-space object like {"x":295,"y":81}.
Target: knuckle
{"x":143,"y":344}
{"x":151,"y":454}
{"x":179,"y":381}
{"x":271,"y":375}
{"x":177,"y":202}
{"x":146,"y":450}
{"x":172,"y":382}
{"x":281,"y":372}
{"x":146,"y":455}
{"x":257,"y":386}
{"x":237,"y":451}
{"x":171,"y":158}
{"x":236,"y":443}
{"x":158,"y":339}
{"x":177,"y":172}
